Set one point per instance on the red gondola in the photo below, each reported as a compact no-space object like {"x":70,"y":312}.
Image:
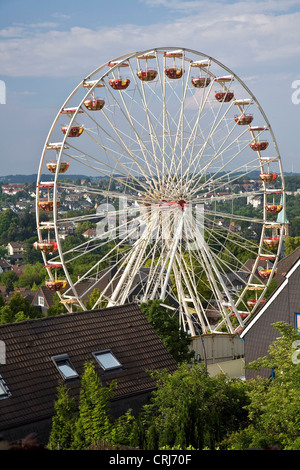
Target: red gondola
{"x":200,"y":82}
{"x":63,"y":166}
{"x":47,"y":206}
{"x":244,"y":119}
{"x":258,"y":146}
{"x":273,"y":208}
{"x":147,"y":75}
{"x":266,"y":273}
{"x":75,"y":131}
{"x":119,"y":83}
{"x":268,"y":177}
{"x":94,"y":104}
{"x":47,"y":246}
{"x":225,"y":96}
{"x":56,"y":285}
{"x":174,"y":72}
{"x":272,"y":242}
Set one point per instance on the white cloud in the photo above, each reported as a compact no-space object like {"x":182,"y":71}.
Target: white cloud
{"x":239,"y":34}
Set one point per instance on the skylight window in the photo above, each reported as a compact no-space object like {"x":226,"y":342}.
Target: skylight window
{"x":65,"y":366}
{"x":4,"y":392}
{"x":107,"y":360}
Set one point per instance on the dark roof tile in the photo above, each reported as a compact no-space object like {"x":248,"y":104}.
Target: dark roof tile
{"x":32,"y":377}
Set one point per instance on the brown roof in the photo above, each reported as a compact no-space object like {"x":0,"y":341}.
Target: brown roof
{"x":32,"y":377}
{"x":46,"y":293}
{"x":285,"y":264}
{"x":283,"y":267}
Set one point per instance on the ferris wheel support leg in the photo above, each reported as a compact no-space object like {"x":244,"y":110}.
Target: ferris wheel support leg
{"x":196,"y":303}
{"x":132,"y":268}
{"x":185,"y":315}
{"x":210,"y":261}
{"x":177,"y":237}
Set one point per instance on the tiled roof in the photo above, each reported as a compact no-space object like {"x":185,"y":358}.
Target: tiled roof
{"x":283,"y":267}
{"x":32,"y":377}
{"x":285,"y":264}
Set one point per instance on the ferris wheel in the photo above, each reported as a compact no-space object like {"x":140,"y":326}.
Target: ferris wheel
{"x":178,"y":191}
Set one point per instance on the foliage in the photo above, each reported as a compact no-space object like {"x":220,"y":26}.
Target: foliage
{"x":57,"y":307}
{"x":274,"y":407}
{"x":18,"y":308}
{"x":125,"y":430}
{"x":290,"y":244}
{"x":8,"y":279}
{"x":166,"y":324}
{"x":32,"y":275}
{"x":90,"y":425}
{"x":94,"y":420}
{"x":190,"y":408}
{"x":63,"y":422}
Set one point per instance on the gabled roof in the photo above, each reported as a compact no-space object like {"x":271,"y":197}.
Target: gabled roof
{"x":285,"y":268}
{"x":46,"y":293}
{"x":32,"y":377}
{"x":5,"y":264}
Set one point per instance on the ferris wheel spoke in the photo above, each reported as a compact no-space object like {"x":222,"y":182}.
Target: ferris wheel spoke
{"x":232,"y":176}
{"x":214,"y":159}
{"x":102,"y":166}
{"x":151,"y":128}
{"x":125,"y":112}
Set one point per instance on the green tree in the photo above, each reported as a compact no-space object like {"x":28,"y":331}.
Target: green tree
{"x":7,"y":218}
{"x":84,"y":226}
{"x":166,"y":325}
{"x":190,"y":408}
{"x":124,"y":430}
{"x":290,"y":244}
{"x":32,"y":274}
{"x":274,"y":407}
{"x":8,"y":279}
{"x":57,"y":307}
{"x":18,"y":308}
{"x":64,"y":420}
{"x":94,"y":421}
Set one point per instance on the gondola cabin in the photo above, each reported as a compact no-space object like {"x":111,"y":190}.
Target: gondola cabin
{"x":75,"y":131}
{"x":224,"y":96}
{"x":52,"y":167}
{"x":200,"y":82}
{"x":173,"y":72}
{"x":119,"y":83}
{"x":147,"y":75}
{"x":259,"y":146}
{"x":244,"y":119}
{"x":94,"y":104}
{"x":268,"y":177}
{"x":272,"y":242}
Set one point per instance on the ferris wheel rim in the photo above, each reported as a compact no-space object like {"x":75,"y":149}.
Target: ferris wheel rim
{"x":123,"y":59}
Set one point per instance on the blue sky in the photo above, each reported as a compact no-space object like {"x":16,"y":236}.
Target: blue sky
{"x":46,"y":48}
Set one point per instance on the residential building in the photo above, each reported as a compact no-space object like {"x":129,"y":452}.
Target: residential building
{"x":283,"y":305}
{"x":119,"y":341}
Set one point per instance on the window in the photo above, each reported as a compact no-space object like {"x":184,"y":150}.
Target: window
{"x":41,"y":301}
{"x":297,"y":321}
{"x":65,"y":366}
{"x":107,"y":360}
{"x":4,"y":392}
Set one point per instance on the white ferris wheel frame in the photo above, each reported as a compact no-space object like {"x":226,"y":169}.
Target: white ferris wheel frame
{"x":170,"y":260}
